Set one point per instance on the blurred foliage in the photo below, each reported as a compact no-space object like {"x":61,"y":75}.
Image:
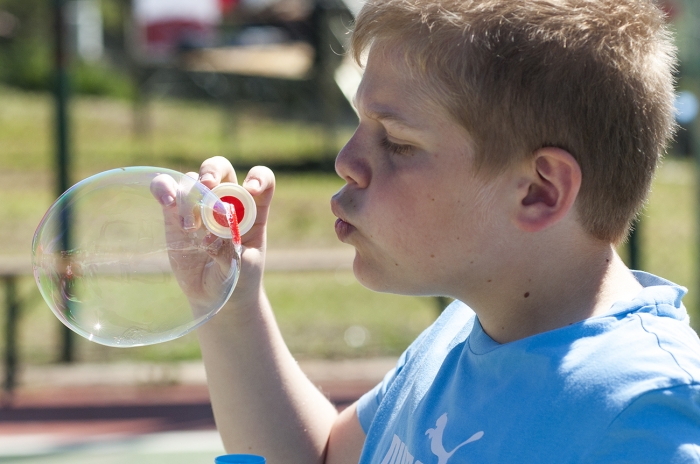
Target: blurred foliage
{"x":27,"y":60}
{"x":98,"y":79}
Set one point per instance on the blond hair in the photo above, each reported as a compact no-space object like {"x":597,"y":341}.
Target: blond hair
{"x":593,"y":77}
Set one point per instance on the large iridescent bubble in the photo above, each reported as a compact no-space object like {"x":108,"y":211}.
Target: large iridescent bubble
{"x":124,"y":259}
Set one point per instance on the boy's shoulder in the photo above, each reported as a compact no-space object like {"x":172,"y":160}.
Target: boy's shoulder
{"x":642,"y":344}
{"x":646,"y":343}
{"x":558,"y":394}
{"x":653,"y":326}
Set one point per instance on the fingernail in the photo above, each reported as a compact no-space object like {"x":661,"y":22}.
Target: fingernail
{"x":188,"y":221}
{"x":253,"y":183}
{"x":167,"y":200}
{"x":206,"y":177}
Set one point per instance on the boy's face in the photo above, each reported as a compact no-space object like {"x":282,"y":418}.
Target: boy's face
{"x":419,"y":219}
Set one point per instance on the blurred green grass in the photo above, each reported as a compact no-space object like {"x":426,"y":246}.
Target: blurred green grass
{"x":669,"y":230}
{"x":175,"y":134}
{"x":321,"y":314}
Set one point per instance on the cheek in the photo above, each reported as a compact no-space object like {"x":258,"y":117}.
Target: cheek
{"x":415,"y":231}
{"x":400,"y":213}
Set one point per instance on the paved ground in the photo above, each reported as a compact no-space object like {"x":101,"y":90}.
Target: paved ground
{"x":143,"y":413}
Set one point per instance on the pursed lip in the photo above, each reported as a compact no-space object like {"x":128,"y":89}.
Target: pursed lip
{"x":342,"y":227}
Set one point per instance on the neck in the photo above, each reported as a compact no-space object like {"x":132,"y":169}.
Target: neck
{"x":558,"y":290}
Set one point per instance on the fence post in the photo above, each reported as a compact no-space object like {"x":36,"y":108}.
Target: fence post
{"x":12,"y":305}
{"x":62,"y":144}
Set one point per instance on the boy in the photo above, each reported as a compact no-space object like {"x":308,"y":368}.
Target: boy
{"x":503,"y":149}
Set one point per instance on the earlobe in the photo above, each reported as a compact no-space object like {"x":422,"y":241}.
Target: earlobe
{"x":553,"y":182}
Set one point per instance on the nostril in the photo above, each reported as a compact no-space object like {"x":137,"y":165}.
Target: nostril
{"x":352,"y":167}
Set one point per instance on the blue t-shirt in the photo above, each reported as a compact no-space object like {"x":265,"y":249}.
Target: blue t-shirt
{"x":619,"y":388}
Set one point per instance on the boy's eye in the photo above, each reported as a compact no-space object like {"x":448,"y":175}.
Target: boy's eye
{"x":395,"y":147}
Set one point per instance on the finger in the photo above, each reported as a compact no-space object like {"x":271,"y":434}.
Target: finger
{"x":216,"y":170}
{"x":188,"y":202}
{"x":164,"y":189}
{"x":260,"y":182}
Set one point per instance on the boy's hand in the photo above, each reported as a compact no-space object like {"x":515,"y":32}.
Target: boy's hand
{"x":260,"y":183}
{"x":196,"y":277}
{"x":260,"y":397}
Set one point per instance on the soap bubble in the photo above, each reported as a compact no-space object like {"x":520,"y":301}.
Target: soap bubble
{"x":129,"y":271}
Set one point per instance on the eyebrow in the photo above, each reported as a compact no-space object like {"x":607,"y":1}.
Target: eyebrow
{"x":386,"y":115}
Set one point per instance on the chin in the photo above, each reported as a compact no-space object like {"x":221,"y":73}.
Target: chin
{"x":381,"y":280}
{"x":370,"y":277}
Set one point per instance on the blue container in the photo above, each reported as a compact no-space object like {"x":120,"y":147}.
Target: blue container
{"x":240,"y":459}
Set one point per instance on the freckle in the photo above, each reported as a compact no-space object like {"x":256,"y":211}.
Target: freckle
{"x":488,"y":280}
{"x":432,"y":256}
{"x":526,"y":294}
{"x":396,"y":264}
{"x":432,"y":199}
{"x":471,"y":262}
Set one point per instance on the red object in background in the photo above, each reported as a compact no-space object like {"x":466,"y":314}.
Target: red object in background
{"x":670,"y":8}
{"x":174,"y":31}
{"x":163,"y":28}
{"x":227,"y":6}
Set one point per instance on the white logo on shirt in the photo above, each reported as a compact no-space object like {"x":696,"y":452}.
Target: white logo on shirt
{"x":436,"y":446}
{"x":398,"y":453}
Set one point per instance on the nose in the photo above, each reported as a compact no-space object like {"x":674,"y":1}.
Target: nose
{"x":352,"y":162}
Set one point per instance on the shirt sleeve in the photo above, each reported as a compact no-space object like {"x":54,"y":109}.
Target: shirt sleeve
{"x":368,"y":404}
{"x":661,"y":426}
{"x":455,"y":314}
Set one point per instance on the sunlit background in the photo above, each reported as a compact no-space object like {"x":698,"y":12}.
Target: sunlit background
{"x":91,"y":85}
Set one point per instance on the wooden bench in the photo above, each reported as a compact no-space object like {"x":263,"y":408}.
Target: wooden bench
{"x":11,"y":269}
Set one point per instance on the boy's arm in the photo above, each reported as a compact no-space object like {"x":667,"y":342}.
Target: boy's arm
{"x":262,"y":401}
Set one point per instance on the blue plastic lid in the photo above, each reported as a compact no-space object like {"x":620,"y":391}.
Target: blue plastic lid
{"x":240,"y":459}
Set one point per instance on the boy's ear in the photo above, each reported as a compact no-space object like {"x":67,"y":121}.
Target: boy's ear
{"x":549,"y":189}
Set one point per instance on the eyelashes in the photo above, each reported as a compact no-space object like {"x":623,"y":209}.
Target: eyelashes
{"x":396,"y":148}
